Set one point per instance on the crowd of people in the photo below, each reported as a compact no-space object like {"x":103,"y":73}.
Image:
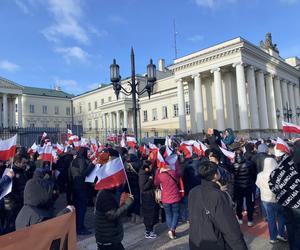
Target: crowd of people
{"x":215,"y":189}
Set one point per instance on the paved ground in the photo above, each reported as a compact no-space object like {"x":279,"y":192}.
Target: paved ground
{"x":256,"y":237}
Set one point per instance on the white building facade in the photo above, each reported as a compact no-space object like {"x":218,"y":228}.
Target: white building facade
{"x":232,"y":84}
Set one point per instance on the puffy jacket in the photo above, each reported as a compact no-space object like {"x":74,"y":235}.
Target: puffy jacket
{"x":212,"y":220}
{"x":244,"y":174}
{"x":262,"y":180}
{"x":169,"y":188}
{"x":108,"y":225}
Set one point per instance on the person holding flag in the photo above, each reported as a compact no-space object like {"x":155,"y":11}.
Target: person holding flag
{"x":109,"y":231}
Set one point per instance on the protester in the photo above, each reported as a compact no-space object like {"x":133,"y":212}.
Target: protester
{"x":150,"y":208}
{"x":39,"y":198}
{"x":228,"y":137}
{"x":272,"y":208}
{"x":108,"y":226}
{"x":80,"y":168}
{"x":285,"y":184}
{"x":168,"y":179}
{"x":13,"y":202}
{"x":212,"y":221}
{"x":244,"y":181}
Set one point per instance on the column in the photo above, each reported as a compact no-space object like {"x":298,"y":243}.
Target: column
{"x":118,"y":120}
{"x":262,"y":101}
{"x":297,"y":101}
{"x":5,"y":111}
{"x":271,"y":106}
{"x":104,"y":125}
{"x":13,"y":117}
{"x":285,"y":96}
{"x":198,"y":103}
{"x":1,"y":118}
{"x":110,"y":121}
{"x":219,"y":99}
{"x":20,"y":111}
{"x":242,"y":95}
{"x":278,"y":101}
{"x":228,"y":83}
{"x":181,"y":104}
{"x":192,"y":107}
{"x":252,"y":98}
{"x":292,"y":101}
{"x":125,"y":125}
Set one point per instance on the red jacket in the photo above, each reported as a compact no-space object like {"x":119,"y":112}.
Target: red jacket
{"x":169,"y":189}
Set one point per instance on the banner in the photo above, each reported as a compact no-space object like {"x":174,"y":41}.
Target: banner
{"x":58,"y":233}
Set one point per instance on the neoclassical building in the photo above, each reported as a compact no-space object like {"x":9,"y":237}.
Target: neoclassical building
{"x":232,"y":84}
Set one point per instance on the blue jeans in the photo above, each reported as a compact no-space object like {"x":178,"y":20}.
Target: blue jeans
{"x":172,"y":214}
{"x":274,"y":214}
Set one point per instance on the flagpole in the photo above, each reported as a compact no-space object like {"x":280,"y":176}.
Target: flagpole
{"x":126,"y":176}
{"x":11,"y":162}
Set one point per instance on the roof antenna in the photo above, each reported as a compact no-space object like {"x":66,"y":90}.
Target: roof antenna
{"x":175,"y":38}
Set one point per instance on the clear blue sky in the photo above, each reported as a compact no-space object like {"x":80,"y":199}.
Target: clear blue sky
{"x":72,"y":42}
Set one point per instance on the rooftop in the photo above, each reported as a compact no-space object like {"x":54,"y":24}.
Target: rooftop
{"x":46,"y":92}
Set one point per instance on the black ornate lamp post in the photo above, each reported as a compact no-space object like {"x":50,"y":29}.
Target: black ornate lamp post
{"x":134,"y":91}
{"x":298,"y":111}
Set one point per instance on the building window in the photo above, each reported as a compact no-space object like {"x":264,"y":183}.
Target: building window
{"x":80,"y":109}
{"x":102,"y":101}
{"x":95,"y":104}
{"x":146,"y":134}
{"x":90,"y":125}
{"x":68,"y":110}
{"x":31,"y":108}
{"x":145,"y":116}
{"x":154,"y":114}
{"x":175,"y":110}
{"x":31,"y":125}
{"x":56,"y":110}
{"x":156,"y":134}
{"x":187,"y":108}
{"x":16,"y":107}
{"x":68,"y":126}
{"x":96,"y":124}
{"x":89,"y":106}
{"x":109,"y":99}
{"x":45,"y":109}
{"x":164,"y":112}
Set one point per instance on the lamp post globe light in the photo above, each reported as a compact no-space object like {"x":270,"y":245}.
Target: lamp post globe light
{"x":134,"y":85}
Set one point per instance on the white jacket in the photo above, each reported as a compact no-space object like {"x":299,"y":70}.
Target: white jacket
{"x":262,"y":180}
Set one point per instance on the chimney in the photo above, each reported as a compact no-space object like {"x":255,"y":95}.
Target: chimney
{"x":161,"y":65}
{"x":57,"y":88}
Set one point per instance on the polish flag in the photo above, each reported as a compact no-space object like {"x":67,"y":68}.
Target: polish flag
{"x":123,"y":141}
{"x":230,"y":155}
{"x":131,"y":142}
{"x":44,"y":135}
{"x":69,"y":133}
{"x":203,"y":147}
{"x":32,"y":149}
{"x":59,"y":148}
{"x":282,"y":146}
{"x":160,"y":162}
{"x":168,"y":151}
{"x":8,"y":148}
{"x":152,"y":146}
{"x":197,"y":149}
{"x":168,"y":142}
{"x":47,"y":153}
{"x":172,"y":161}
{"x":111,"y":174}
{"x":94,"y":145}
{"x":186,"y":148}
{"x":84,"y":142}
{"x":290,"y":128}
{"x":54,"y":156}
{"x":144,"y":150}
{"x":101,"y":146}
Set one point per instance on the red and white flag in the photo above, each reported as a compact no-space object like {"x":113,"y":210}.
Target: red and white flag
{"x":197,"y":149}
{"x":282,"y":146}
{"x":172,"y":161}
{"x":144,"y":150}
{"x":8,"y":148}
{"x":94,"y":145}
{"x":230,"y":155}
{"x":32,"y":149}
{"x":111,"y":174}
{"x":123,"y":141}
{"x":290,"y":128}
{"x":59,"y":148}
{"x":46,"y":154}
{"x":160,"y":162}
{"x":69,"y":133}
{"x":223,"y":145}
{"x":186,"y":147}
{"x":44,"y":135}
{"x":131,"y":142}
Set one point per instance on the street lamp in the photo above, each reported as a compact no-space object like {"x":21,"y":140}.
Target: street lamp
{"x":298,"y":111}
{"x":117,"y":86}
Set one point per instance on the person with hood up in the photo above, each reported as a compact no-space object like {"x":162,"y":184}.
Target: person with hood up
{"x":80,"y":168}
{"x":39,"y":198}
{"x":109,"y":230}
{"x":285,"y":184}
{"x":212,"y":220}
{"x":272,"y":208}
{"x":228,"y":137}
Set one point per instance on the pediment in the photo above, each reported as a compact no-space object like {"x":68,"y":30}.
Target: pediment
{"x":7,"y":84}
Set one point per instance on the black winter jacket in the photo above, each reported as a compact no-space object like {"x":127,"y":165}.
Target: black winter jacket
{"x":108,"y":225}
{"x":245,"y":174}
{"x":212,"y":221}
